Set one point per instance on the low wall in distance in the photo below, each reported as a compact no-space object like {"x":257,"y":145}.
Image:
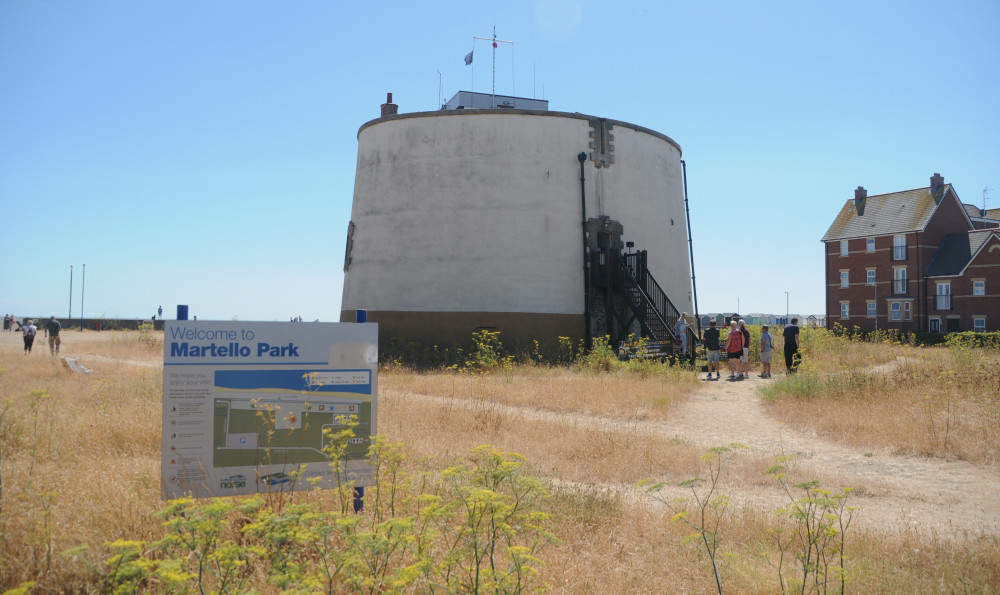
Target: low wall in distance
{"x":90,"y":324}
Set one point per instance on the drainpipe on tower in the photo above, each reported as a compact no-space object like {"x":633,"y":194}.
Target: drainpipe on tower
{"x":582,"y":157}
{"x":687,"y":213}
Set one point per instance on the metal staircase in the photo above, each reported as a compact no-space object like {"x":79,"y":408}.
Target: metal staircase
{"x":644,"y":297}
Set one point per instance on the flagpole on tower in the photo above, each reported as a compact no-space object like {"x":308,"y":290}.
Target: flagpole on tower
{"x":494,"y":100}
{"x":495,"y":41}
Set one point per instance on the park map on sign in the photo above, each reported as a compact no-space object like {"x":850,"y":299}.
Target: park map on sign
{"x":255,"y":424}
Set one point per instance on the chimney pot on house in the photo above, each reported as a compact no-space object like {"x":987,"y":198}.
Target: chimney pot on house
{"x":859,"y":199}
{"x":937,"y":186}
{"x":389,"y":108}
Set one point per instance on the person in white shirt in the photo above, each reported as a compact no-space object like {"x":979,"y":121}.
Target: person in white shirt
{"x":29,"y":330}
{"x":680,"y":329}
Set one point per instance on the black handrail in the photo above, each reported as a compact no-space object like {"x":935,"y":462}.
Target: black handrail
{"x":654,"y":308}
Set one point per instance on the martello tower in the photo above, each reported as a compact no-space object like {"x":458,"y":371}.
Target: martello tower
{"x":496,"y":213}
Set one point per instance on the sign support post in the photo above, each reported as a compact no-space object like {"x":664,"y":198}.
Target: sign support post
{"x":360,"y":316}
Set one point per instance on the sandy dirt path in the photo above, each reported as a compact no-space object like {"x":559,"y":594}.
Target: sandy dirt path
{"x":948,"y":498}
{"x":905,"y":491}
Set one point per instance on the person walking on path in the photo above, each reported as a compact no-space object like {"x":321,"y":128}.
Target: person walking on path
{"x":28,"y":330}
{"x":745,"y":358}
{"x":712,"y":347}
{"x":792,"y":357}
{"x":766,"y":349}
{"x":52,"y":328}
{"x":6,"y":322}
{"x":734,"y":350}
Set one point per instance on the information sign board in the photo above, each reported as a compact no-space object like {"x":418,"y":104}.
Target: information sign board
{"x":245,"y":405}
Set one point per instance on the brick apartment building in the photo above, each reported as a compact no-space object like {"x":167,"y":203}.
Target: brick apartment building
{"x":916,"y":260}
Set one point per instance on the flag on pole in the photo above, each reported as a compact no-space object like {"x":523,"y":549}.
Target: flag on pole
{"x":468,"y":58}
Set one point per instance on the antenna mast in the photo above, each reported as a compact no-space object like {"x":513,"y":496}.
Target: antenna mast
{"x":440,"y":100}
{"x":495,"y":42}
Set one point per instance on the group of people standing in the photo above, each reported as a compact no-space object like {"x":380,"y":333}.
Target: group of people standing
{"x":9,"y":322}
{"x":738,"y":349}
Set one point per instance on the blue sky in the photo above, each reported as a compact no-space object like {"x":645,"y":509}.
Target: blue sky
{"x":203,"y":153}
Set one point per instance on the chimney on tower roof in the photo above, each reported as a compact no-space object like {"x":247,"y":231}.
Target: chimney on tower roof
{"x":389,"y":108}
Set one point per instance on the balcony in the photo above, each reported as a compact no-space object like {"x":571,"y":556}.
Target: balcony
{"x":899,"y":286}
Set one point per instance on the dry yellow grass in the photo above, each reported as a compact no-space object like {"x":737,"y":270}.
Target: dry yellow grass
{"x":91,"y":473}
{"x":616,"y":395}
{"x":931,"y":401}
{"x":81,"y":464}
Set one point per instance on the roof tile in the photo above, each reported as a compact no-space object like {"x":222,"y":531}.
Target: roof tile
{"x":956,"y":251}
{"x":896,"y":212}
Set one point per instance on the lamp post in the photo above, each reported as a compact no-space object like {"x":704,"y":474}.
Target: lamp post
{"x":83,"y":286}
{"x":70,"y":315}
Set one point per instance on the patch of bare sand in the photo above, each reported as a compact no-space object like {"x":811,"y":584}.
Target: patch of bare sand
{"x":95,"y":361}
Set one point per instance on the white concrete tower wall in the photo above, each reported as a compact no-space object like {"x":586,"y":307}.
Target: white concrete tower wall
{"x":472,"y":218}
{"x":644,"y":190}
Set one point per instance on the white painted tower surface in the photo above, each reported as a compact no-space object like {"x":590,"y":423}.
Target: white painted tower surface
{"x":472,"y":218}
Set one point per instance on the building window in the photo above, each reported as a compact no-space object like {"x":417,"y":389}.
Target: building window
{"x":906,"y":311}
{"x":899,"y":247}
{"x":843,"y":247}
{"x":934,"y":325}
{"x":869,"y":276}
{"x":844,"y":278}
{"x":871,"y":309}
{"x":870,"y":245}
{"x":895,"y":309}
{"x":979,"y":324}
{"x":979,"y":287}
{"x":944,"y":295}
{"x":845,"y":310}
{"x":899,"y":280}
